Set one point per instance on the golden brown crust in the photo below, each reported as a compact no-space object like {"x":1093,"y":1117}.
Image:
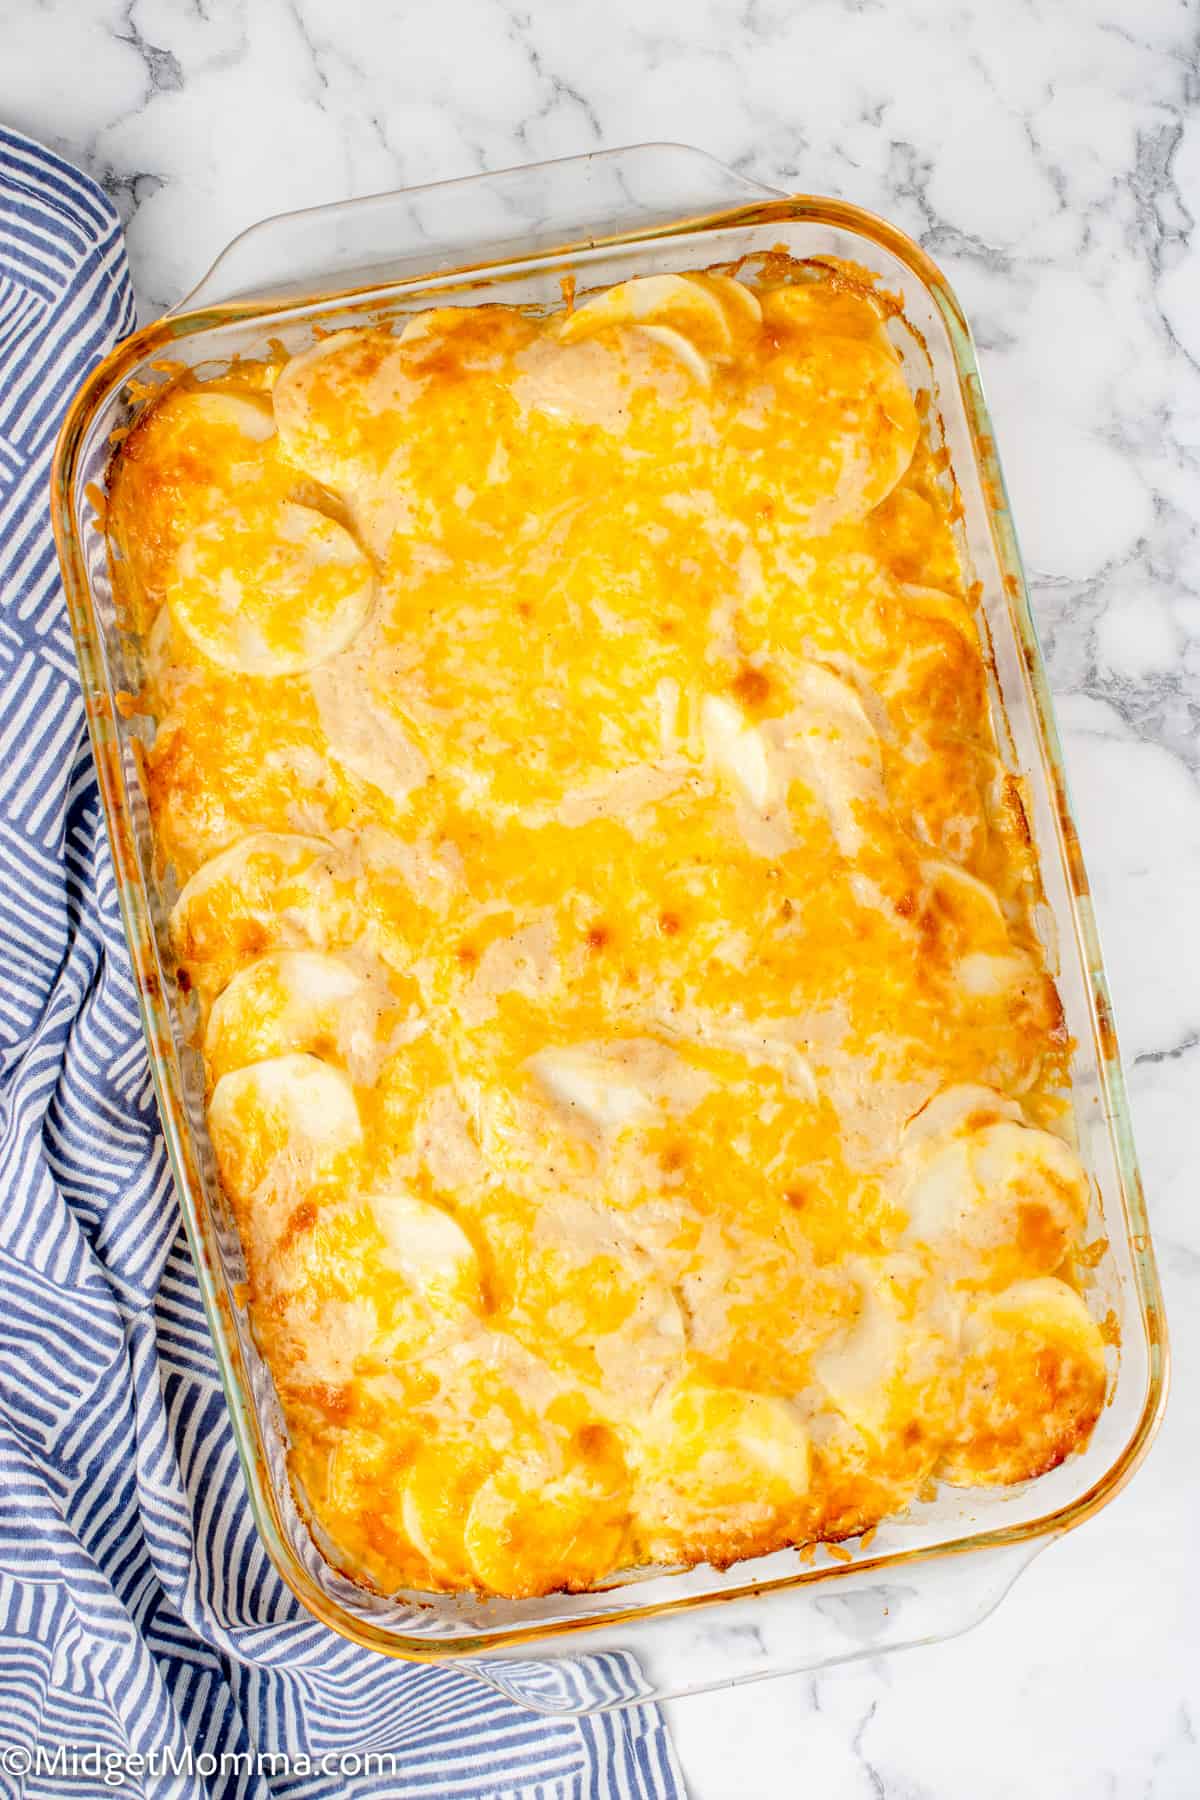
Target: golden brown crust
{"x":629,"y":1050}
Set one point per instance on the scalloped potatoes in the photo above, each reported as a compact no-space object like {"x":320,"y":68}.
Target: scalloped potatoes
{"x":632,"y":1066}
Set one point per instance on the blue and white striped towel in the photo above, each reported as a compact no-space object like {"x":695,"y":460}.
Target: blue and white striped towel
{"x":138,"y":1611}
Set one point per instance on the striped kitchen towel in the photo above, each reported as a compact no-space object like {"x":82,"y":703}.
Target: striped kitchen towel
{"x":139,"y":1615}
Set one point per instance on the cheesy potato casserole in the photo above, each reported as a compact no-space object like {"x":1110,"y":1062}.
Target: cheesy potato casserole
{"x":631,"y":1063}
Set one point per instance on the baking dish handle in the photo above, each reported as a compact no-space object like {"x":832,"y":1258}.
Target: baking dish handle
{"x":575,"y":202}
{"x":818,"y":1625}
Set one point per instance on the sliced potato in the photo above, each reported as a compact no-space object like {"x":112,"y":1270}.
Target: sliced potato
{"x":970,"y":936}
{"x":1033,"y":1383}
{"x":743,"y":310}
{"x":435,"y":321}
{"x":860,"y":1371}
{"x":249,"y":415}
{"x":426,"y":1245}
{"x":194,"y":456}
{"x":270,"y":590}
{"x":344,"y":407}
{"x":271,"y":890}
{"x":530,"y":1531}
{"x":833,"y":413}
{"x":319,"y":404}
{"x":615,"y":1086}
{"x":622,"y":379}
{"x":1011,"y":1198}
{"x":837,"y":749}
{"x":736,"y":749}
{"x":717,"y":1460}
{"x":959,"y":1108}
{"x":289,"y":1000}
{"x":680,"y":347}
{"x":594,"y":1088}
{"x":683,"y":304}
{"x":966,"y":900}
{"x":438,"y":1493}
{"x":826,"y":740}
{"x":985,"y":975}
{"x":287,"y":1123}
{"x":697,"y":318}
{"x":767,"y":1042}
{"x":889,"y":1377}
{"x":371,"y":1282}
{"x":1038,"y":1171}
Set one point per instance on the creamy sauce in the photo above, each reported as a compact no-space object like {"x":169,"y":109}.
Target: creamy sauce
{"x":632,"y":1064}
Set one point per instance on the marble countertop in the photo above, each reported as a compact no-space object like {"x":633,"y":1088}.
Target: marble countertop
{"x":1048,"y":155}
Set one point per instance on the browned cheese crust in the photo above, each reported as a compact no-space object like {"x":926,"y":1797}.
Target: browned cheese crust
{"x":632,"y":1065}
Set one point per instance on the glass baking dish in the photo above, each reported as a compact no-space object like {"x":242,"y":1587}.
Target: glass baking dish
{"x":512,"y":237}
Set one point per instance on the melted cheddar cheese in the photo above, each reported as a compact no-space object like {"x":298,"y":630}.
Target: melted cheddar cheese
{"x":632,"y":1066}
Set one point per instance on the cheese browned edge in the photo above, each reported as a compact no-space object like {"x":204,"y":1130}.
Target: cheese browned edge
{"x":632,"y":1064}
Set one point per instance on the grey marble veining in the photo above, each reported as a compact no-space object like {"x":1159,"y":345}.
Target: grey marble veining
{"x":1048,"y":155}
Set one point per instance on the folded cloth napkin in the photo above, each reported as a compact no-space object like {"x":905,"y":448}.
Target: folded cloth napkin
{"x":139,"y":1614}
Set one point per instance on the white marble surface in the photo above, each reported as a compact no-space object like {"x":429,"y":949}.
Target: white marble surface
{"x":1047,"y":152}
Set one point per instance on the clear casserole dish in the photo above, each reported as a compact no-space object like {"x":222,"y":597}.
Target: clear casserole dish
{"x":512,"y":238}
